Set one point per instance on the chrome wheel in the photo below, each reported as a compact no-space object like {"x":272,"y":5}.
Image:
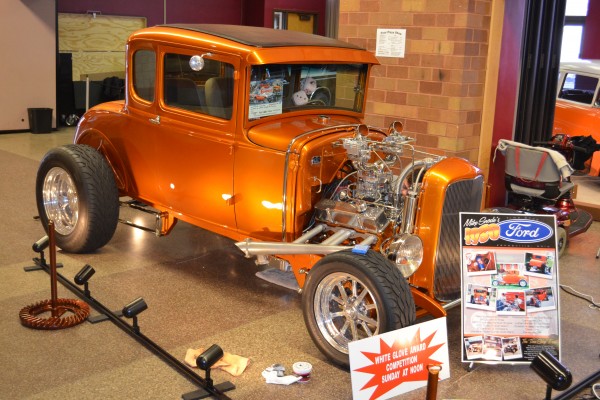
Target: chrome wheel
{"x":60,"y":200}
{"x":345,"y":310}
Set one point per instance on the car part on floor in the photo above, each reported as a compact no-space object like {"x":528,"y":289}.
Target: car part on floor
{"x":64,"y":313}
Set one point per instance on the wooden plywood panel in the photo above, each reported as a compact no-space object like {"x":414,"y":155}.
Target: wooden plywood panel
{"x":78,"y":32}
{"x":87,"y":63}
{"x":97,"y":43}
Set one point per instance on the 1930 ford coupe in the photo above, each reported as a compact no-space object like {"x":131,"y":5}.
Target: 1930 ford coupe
{"x":256,"y":135}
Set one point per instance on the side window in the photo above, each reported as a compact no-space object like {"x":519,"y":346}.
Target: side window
{"x":207,"y":91}
{"x":144,"y":74}
{"x":578,"y":88}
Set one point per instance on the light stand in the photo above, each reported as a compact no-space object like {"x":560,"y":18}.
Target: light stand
{"x":40,"y":262}
{"x":556,"y":375}
{"x":82,"y":278}
{"x":205,"y":361}
{"x":132,"y":309}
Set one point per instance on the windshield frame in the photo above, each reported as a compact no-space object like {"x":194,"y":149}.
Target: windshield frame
{"x":281,"y":90}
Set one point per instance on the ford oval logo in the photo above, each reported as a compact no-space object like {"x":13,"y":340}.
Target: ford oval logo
{"x":524,"y":231}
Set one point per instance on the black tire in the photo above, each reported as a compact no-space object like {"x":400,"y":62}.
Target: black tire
{"x":388,"y":301}
{"x":86,"y":219}
{"x":561,"y":240}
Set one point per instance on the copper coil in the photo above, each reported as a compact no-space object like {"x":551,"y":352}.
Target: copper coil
{"x":67,"y":313}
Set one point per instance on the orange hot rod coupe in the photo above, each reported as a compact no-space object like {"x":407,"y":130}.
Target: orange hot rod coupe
{"x":256,"y":134}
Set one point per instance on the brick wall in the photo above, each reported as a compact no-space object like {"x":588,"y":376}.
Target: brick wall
{"x":437,"y":88}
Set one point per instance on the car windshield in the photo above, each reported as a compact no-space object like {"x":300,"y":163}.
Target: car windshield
{"x":281,"y":88}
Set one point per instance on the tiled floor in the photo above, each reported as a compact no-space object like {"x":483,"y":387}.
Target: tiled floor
{"x":200,"y":290}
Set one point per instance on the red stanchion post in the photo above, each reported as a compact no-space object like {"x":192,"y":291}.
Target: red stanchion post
{"x":432,"y":381}
{"x":53,"y":279}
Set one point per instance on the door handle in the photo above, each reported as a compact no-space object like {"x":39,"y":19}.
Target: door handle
{"x":155,"y":121}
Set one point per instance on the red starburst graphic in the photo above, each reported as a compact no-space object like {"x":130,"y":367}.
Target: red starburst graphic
{"x":403,"y":361}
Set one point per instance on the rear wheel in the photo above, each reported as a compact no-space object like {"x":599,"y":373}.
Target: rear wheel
{"x":75,"y":188}
{"x":350,"y":296}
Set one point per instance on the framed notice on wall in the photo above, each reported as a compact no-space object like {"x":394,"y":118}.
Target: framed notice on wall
{"x":510,"y":307}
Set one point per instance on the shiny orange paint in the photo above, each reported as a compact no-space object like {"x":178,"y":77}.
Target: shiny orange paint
{"x":243,"y":177}
{"x":579,"y":119}
{"x":185,"y":165}
{"x":431,"y":203}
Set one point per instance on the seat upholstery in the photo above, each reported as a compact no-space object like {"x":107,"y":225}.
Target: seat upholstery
{"x":219,"y":96}
{"x":182,"y":93}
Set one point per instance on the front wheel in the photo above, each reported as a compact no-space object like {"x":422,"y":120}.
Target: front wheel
{"x":75,"y":188}
{"x":350,"y":296}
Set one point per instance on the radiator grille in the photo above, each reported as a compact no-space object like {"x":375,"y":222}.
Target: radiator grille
{"x":461,"y":196}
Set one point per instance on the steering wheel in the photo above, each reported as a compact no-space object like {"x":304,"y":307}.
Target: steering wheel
{"x":320,"y":96}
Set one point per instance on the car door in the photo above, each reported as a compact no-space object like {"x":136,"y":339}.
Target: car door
{"x":195,"y":142}
{"x":137,"y":142}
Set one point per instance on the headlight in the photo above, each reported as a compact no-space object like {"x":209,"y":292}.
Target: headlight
{"x":406,"y":252}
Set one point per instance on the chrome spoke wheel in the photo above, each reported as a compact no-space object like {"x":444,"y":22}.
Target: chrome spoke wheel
{"x":60,"y":200}
{"x":345,"y":310}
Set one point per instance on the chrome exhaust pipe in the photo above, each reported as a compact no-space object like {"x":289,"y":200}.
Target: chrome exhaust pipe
{"x":311,"y":234}
{"x":251,"y":248}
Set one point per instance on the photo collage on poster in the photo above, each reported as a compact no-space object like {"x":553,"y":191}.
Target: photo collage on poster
{"x":510,"y":305}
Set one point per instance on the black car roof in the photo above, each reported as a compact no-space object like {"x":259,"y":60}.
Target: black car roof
{"x":263,"y":37}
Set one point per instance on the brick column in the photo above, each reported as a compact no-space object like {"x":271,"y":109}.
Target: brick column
{"x":437,"y":88}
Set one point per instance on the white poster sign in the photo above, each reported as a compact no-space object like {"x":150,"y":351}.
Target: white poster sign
{"x":391,"y":43}
{"x":387,"y":365}
{"x":510,"y":305}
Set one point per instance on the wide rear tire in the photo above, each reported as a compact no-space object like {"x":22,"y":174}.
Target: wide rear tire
{"x":75,"y":188}
{"x":350,"y":296}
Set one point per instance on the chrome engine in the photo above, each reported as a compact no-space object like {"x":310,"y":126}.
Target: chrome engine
{"x":376,"y":205}
{"x":381,"y":191}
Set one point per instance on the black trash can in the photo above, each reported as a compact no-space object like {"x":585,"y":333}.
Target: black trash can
{"x":40,"y":120}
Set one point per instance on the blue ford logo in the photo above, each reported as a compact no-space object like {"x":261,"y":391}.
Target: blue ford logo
{"x":524,"y":231}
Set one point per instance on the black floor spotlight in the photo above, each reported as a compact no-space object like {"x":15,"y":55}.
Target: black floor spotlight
{"x":40,"y":262}
{"x":556,"y":375}
{"x":132,"y":309}
{"x":205,"y":361}
{"x":83,"y":277}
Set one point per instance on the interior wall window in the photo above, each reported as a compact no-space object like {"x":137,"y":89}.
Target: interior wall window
{"x":295,"y":21}
{"x":575,"y":14}
{"x":206,"y":91}
{"x":144,"y":74}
